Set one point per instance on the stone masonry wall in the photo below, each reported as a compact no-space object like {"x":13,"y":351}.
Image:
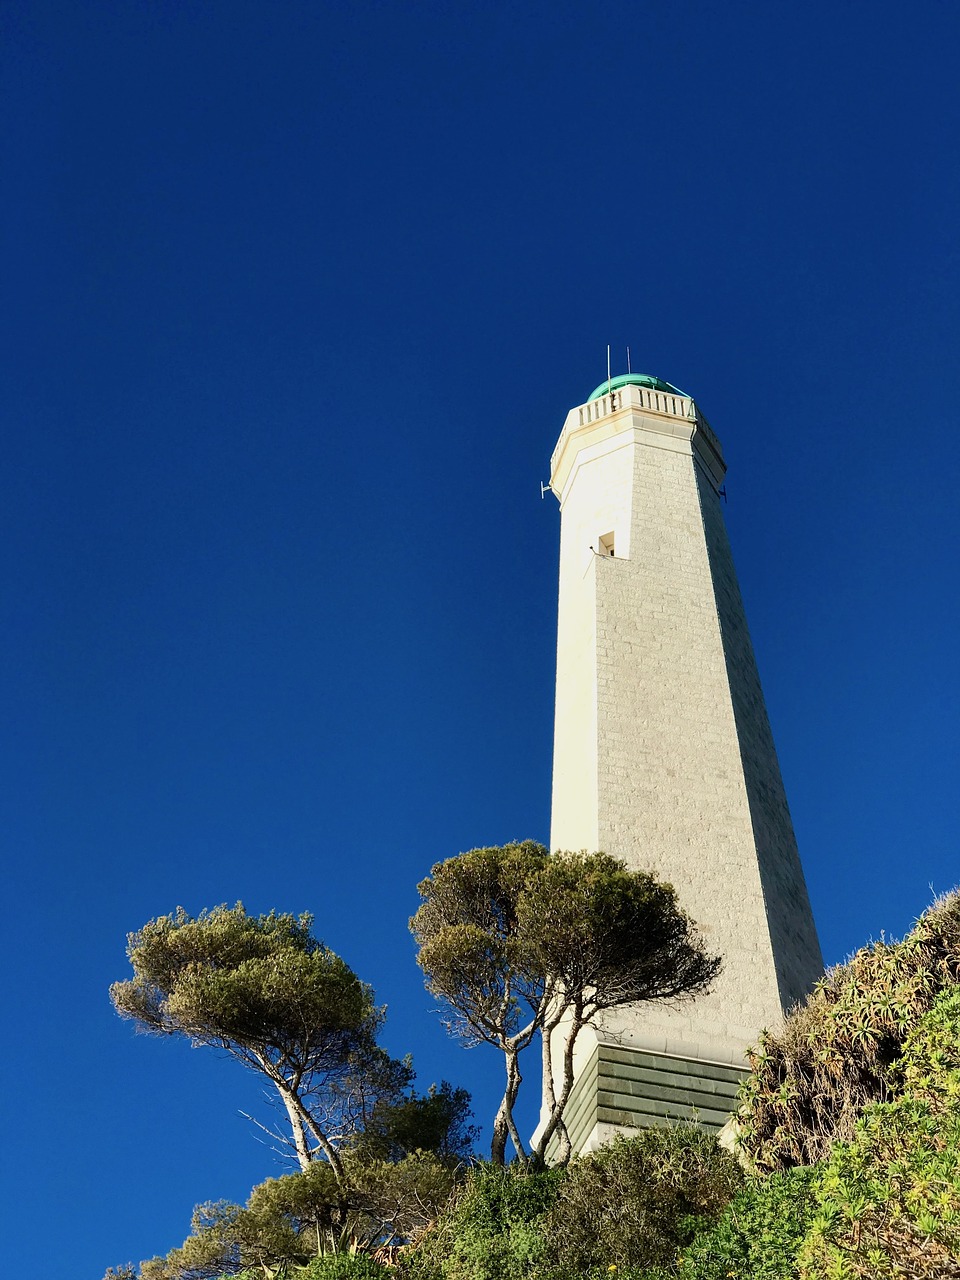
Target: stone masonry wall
{"x":796,"y":949}
{"x":673,"y":795}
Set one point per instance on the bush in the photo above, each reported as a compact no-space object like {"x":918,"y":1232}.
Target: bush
{"x":635,"y":1204}
{"x":760,"y":1232}
{"x":883,"y":1206}
{"x":491,"y":1230}
{"x":889,"y":1200}
{"x":837,"y":1054}
{"x":344,"y":1266}
{"x":379,"y":1206}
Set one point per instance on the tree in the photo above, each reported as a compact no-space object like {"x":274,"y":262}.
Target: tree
{"x":437,"y":1122}
{"x":266,"y":991}
{"x":520,"y":942}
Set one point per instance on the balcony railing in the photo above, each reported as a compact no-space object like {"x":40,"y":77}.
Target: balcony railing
{"x":663,"y":402}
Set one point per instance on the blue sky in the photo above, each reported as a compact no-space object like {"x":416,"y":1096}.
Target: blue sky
{"x":296,"y":299}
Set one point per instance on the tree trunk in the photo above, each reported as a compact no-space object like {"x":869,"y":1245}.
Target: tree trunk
{"x":296,"y":1128}
{"x":558,"y":1104}
{"x":498,"y":1144}
{"x":302,"y":1123}
{"x":546,"y":1046}
{"x":504,"y":1126}
{"x":323,"y":1142}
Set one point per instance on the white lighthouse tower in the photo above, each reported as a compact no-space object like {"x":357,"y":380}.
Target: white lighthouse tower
{"x":663,"y":754}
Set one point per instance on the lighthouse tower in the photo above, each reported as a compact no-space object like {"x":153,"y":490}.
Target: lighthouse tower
{"x":663,"y":754}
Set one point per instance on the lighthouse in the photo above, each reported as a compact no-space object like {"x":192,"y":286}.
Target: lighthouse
{"x":663,"y":753}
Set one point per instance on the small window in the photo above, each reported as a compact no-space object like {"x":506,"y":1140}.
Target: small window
{"x":606,"y":544}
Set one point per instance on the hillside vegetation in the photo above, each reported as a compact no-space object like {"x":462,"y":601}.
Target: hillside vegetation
{"x":848,"y":1167}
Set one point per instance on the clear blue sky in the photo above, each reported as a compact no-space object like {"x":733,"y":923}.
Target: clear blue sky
{"x":296,"y":297}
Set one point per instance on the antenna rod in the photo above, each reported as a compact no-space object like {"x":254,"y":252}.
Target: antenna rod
{"x":629,"y":370}
{"x":608,"y":368}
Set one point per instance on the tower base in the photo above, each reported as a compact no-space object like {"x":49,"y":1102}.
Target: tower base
{"x":620,"y":1088}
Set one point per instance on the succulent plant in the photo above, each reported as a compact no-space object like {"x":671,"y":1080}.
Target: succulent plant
{"x":838,"y":1052}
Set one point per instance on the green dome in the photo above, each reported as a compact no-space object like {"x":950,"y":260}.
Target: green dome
{"x":634,"y":380}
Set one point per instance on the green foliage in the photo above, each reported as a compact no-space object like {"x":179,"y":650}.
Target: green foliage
{"x":491,"y":1229}
{"x":211,"y":1250}
{"x":838,"y":1053}
{"x":889,"y":1200}
{"x":609,"y":936}
{"x":883,"y":1206}
{"x":471,"y":950}
{"x":438,"y":1121}
{"x":343,"y":1266}
{"x":227,"y":976}
{"x":627,"y":1209}
{"x":398,"y":1200}
{"x":310,"y":1218}
{"x":265,"y":990}
{"x":296,"y":1216}
{"x":635,"y":1204}
{"x":759,"y":1234}
{"x":517,"y":941}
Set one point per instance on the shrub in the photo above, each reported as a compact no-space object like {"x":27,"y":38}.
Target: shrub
{"x":889,"y":1200}
{"x":491,"y":1230}
{"x":760,"y":1232}
{"x":836,"y":1054}
{"x":343,"y":1266}
{"x":637,"y":1202}
{"x":290,"y":1220}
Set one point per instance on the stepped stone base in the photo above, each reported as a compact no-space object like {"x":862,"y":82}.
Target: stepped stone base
{"x":622,"y":1088}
